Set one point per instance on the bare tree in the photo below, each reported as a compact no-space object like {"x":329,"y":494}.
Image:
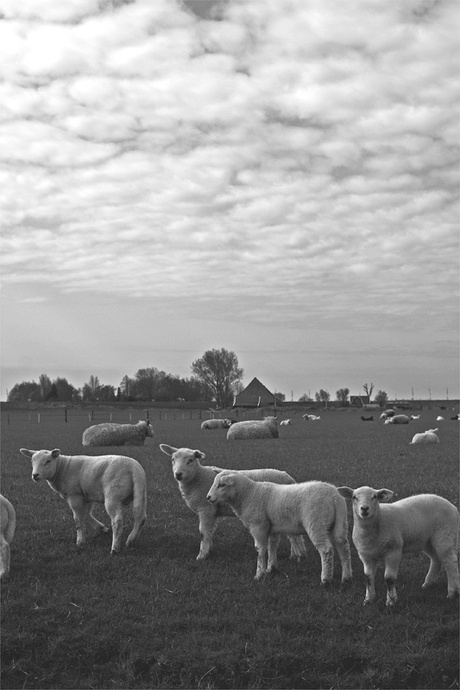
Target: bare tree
{"x":323,"y":396}
{"x":218,"y":370}
{"x":342,"y":395}
{"x":368,"y":389}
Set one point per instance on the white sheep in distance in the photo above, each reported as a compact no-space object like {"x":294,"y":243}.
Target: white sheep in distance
{"x":111,"y":434}
{"x":216,"y":424}
{"x":414,"y":417}
{"x":253,"y":428}
{"x":398,"y":419}
{"x":114,"y":480}
{"x":286,"y":422}
{"x":440,"y":418}
{"x":195,"y":480}
{"x":269,"y":510}
{"x":8,"y":527}
{"x":387,"y":414}
{"x":426,"y":437}
{"x":424,"y":522}
{"x":311,"y":417}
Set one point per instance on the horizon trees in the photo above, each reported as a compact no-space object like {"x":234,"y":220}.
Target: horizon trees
{"x":220,"y":373}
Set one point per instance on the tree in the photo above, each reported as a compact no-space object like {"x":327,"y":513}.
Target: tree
{"x":342,"y":395}
{"x":219,"y":371}
{"x":381,"y":398}
{"x":45,"y":386}
{"x":27,"y":391}
{"x":64,"y":390}
{"x":368,"y":389}
{"x":305,"y":398}
{"x":148,"y":383}
{"x":323,"y":396}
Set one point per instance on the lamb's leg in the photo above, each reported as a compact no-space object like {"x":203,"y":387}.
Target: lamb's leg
{"x":273,"y":541}
{"x":98,"y":525}
{"x":434,"y":569}
{"x":260,"y":536}
{"x":298,"y":548}
{"x":80,"y":510}
{"x":323,"y":545}
{"x":343,"y":549}
{"x":208,"y":525}
{"x":370,"y":568}
{"x":115,"y":512}
{"x":392,"y":561}
{"x":4,"y":558}
{"x":450,"y":564}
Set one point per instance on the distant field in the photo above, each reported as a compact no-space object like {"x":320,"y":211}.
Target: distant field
{"x":155,"y":617}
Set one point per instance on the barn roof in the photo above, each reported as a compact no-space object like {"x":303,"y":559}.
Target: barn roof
{"x":254,"y":395}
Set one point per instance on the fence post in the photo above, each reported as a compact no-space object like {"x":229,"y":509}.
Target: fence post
{"x":65,"y":414}
{"x":38,"y":417}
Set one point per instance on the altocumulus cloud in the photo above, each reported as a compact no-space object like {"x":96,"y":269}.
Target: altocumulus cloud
{"x":216,"y":152}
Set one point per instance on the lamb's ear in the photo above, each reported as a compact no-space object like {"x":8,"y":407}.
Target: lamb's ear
{"x":27,"y":453}
{"x":169,"y":450}
{"x":346,"y":492}
{"x":198,"y":454}
{"x":55,"y":453}
{"x":385,"y":495}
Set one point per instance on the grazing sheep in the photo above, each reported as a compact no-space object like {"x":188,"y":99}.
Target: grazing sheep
{"x":398,"y":419}
{"x":424,"y":522}
{"x":111,"y":434}
{"x":269,"y":510}
{"x":367,"y":419}
{"x":216,"y":424}
{"x":387,"y":413}
{"x":253,"y":428}
{"x":114,"y":480}
{"x":414,"y":417}
{"x":311,"y":417}
{"x":286,"y":422}
{"x":195,"y":480}
{"x":440,"y":419}
{"x":8,"y":526}
{"x":426,"y":437}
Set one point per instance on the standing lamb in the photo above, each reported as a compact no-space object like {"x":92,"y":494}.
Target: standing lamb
{"x":253,"y":428}
{"x":429,"y":436}
{"x":286,"y":422}
{"x":269,"y":510}
{"x":8,"y":527}
{"x":195,"y":480}
{"x":424,"y":522}
{"x":216,"y":424}
{"x":114,"y":480}
{"x":111,"y":434}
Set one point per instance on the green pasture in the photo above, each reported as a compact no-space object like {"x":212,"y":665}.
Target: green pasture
{"x":156,"y":618}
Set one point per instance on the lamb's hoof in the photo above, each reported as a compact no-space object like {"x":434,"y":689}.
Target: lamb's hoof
{"x":115,"y":552}
{"x":326,"y":584}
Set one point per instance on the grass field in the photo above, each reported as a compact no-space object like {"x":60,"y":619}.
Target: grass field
{"x":155,"y":617}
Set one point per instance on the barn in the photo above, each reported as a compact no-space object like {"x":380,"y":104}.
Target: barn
{"x":254,"y":395}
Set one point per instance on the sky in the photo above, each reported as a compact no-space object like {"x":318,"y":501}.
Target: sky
{"x":278,"y":178}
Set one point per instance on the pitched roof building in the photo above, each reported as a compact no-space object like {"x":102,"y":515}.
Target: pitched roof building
{"x":254,"y":395}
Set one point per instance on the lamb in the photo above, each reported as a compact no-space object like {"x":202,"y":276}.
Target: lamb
{"x":253,"y":428}
{"x":111,"y":434}
{"x":216,"y":424}
{"x":286,"y":422}
{"x":398,"y":419}
{"x":387,"y":414}
{"x":8,"y":527}
{"x":114,"y":480}
{"x":269,"y":510}
{"x":311,"y":417}
{"x":367,"y":419}
{"x":439,"y":418}
{"x":424,"y":522}
{"x":195,"y":480}
{"x":426,"y":437}
{"x":414,"y":417}
{"x":456,"y":418}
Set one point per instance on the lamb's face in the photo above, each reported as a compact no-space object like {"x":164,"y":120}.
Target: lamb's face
{"x":149,"y":430}
{"x":43,"y":463}
{"x":221,"y":489}
{"x":185,"y":463}
{"x":366,"y":501}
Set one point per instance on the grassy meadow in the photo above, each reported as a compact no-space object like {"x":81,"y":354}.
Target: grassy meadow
{"x":156,"y":618}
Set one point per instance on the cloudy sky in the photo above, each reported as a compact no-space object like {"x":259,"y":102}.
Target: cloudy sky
{"x":275,"y":177}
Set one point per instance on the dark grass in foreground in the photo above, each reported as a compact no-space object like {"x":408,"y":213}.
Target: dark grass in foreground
{"x":154,"y":617}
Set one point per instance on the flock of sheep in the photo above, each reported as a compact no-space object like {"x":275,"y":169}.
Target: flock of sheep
{"x":269,"y":503}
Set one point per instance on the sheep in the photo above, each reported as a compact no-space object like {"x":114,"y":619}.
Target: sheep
{"x":114,"y":480}
{"x":110,"y":434}
{"x":269,"y":510}
{"x":367,"y":419}
{"x":8,"y":527}
{"x":286,"y":422}
{"x":195,"y":480}
{"x":311,"y":417}
{"x":387,"y":413}
{"x":398,"y":419}
{"x":426,"y":437}
{"x":456,"y":418}
{"x":253,"y":428}
{"x":414,"y":417}
{"x":216,"y":424}
{"x":439,"y":418}
{"x":424,"y":522}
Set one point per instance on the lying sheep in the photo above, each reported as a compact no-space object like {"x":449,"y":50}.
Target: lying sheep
{"x":111,"y":434}
{"x":195,"y":480}
{"x":216,"y":424}
{"x":398,"y":419}
{"x":8,"y":526}
{"x":311,"y":417}
{"x":426,"y":437}
{"x":387,"y":414}
{"x":114,"y":480}
{"x":424,"y":522}
{"x":269,"y":510}
{"x":286,"y":422}
{"x":253,"y":428}
{"x":367,"y":419}
{"x":414,"y":417}
{"x":440,"y":418}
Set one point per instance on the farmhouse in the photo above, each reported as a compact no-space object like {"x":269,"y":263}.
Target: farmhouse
{"x":254,"y":395}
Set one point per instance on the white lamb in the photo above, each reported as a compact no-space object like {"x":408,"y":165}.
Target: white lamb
{"x":286,"y":422}
{"x":311,"y":417}
{"x":114,"y":480}
{"x":414,"y":417}
{"x":254,"y":428}
{"x":426,"y":437}
{"x":195,"y":480}
{"x":111,"y":434}
{"x":439,"y":418}
{"x":269,"y":510}
{"x":216,"y":424}
{"x":424,"y":522}
{"x":387,"y":414}
{"x":398,"y":419}
{"x":8,"y":526}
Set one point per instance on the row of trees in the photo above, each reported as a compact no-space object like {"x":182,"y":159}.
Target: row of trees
{"x":342,"y":396}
